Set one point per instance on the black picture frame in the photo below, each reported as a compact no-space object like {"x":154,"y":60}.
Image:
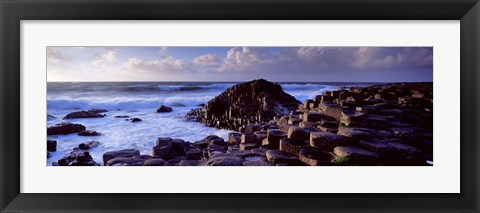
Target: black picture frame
{"x":13,"y":11}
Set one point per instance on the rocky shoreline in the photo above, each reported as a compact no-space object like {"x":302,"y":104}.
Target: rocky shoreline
{"x":390,"y":124}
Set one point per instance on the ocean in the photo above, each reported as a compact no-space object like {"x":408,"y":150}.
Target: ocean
{"x":141,"y":99}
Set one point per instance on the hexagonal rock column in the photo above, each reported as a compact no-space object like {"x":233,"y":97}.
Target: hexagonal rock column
{"x":354,"y":135}
{"x":298,"y":134}
{"x":273,"y":139}
{"x":127,"y":153}
{"x":234,"y":138}
{"x":277,"y":156}
{"x":315,"y":157}
{"x":259,"y":136}
{"x":326,"y":141}
{"x":354,"y":117}
{"x":356,"y":155}
{"x":293,"y":147}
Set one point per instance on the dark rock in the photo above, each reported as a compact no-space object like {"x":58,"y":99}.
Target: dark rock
{"x":354,"y":135}
{"x":177,"y":105}
{"x":164,"y":142}
{"x":164,"y":152}
{"x":163,"y":109}
{"x":254,"y":157}
{"x":89,"y":133}
{"x":326,"y":141}
{"x":127,"y":153}
{"x":257,"y":163}
{"x":234,"y":138}
{"x":224,"y":160}
{"x":122,"y":116}
{"x":154,"y":162}
{"x":250,"y":102}
{"x":315,"y":157}
{"x":356,"y":155}
{"x":194,"y":154}
{"x":277,"y":156}
{"x":135,"y":120}
{"x":189,"y":163}
{"x":202,"y":144}
{"x":51,"y":145}
{"x":293,"y":147}
{"x":88,"y":145}
{"x":273,"y":139}
{"x":76,"y":158}
{"x":248,"y":146}
{"x":83,"y":114}
{"x":299,"y":134}
{"x":65,"y":128}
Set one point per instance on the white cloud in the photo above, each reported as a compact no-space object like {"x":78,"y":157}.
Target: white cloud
{"x":56,"y":56}
{"x":165,"y":65}
{"x":246,"y":58}
{"x":208,"y":60}
{"x":105,"y":59}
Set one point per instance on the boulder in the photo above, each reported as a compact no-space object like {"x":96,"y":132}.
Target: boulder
{"x":164,"y":142}
{"x":164,"y":152}
{"x":76,"y":158}
{"x":326,"y":141}
{"x":88,"y":145}
{"x":315,"y":157}
{"x":163,"y":109}
{"x":83,"y":114}
{"x":356,"y":155}
{"x":65,"y":128}
{"x":128,"y":153}
{"x":277,"y":156}
{"x":89,"y":133}
{"x":259,"y":136}
{"x":248,"y":138}
{"x":51,"y":145}
{"x":202,"y":144}
{"x":134,"y":120}
{"x":331,"y":110}
{"x":122,"y":116}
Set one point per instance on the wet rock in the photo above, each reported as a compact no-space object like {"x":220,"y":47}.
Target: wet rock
{"x":88,"y":145}
{"x":277,"y":156}
{"x":163,"y":109}
{"x":224,"y":160}
{"x":83,"y":114}
{"x":356,"y":155}
{"x":189,"y":163}
{"x":215,"y":140}
{"x":89,"y":133}
{"x":122,"y":116}
{"x":164,"y":142}
{"x":164,"y":152}
{"x":315,"y":157}
{"x":194,"y":154}
{"x":51,"y":145}
{"x":326,"y":141}
{"x":154,"y":162}
{"x":127,"y":153}
{"x":133,"y":120}
{"x":65,"y":128}
{"x":257,"y":163}
{"x":76,"y":158}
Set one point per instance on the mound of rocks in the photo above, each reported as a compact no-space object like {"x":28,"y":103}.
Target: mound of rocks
{"x":245,"y":103}
{"x":93,"y":113}
{"x":65,"y":128}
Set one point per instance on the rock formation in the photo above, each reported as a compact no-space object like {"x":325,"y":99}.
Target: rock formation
{"x":245,"y":103}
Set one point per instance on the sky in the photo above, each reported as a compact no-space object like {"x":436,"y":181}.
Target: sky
{"x":235,"y":64}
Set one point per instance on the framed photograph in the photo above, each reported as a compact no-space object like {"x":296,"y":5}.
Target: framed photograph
{"x":239,"y":106}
